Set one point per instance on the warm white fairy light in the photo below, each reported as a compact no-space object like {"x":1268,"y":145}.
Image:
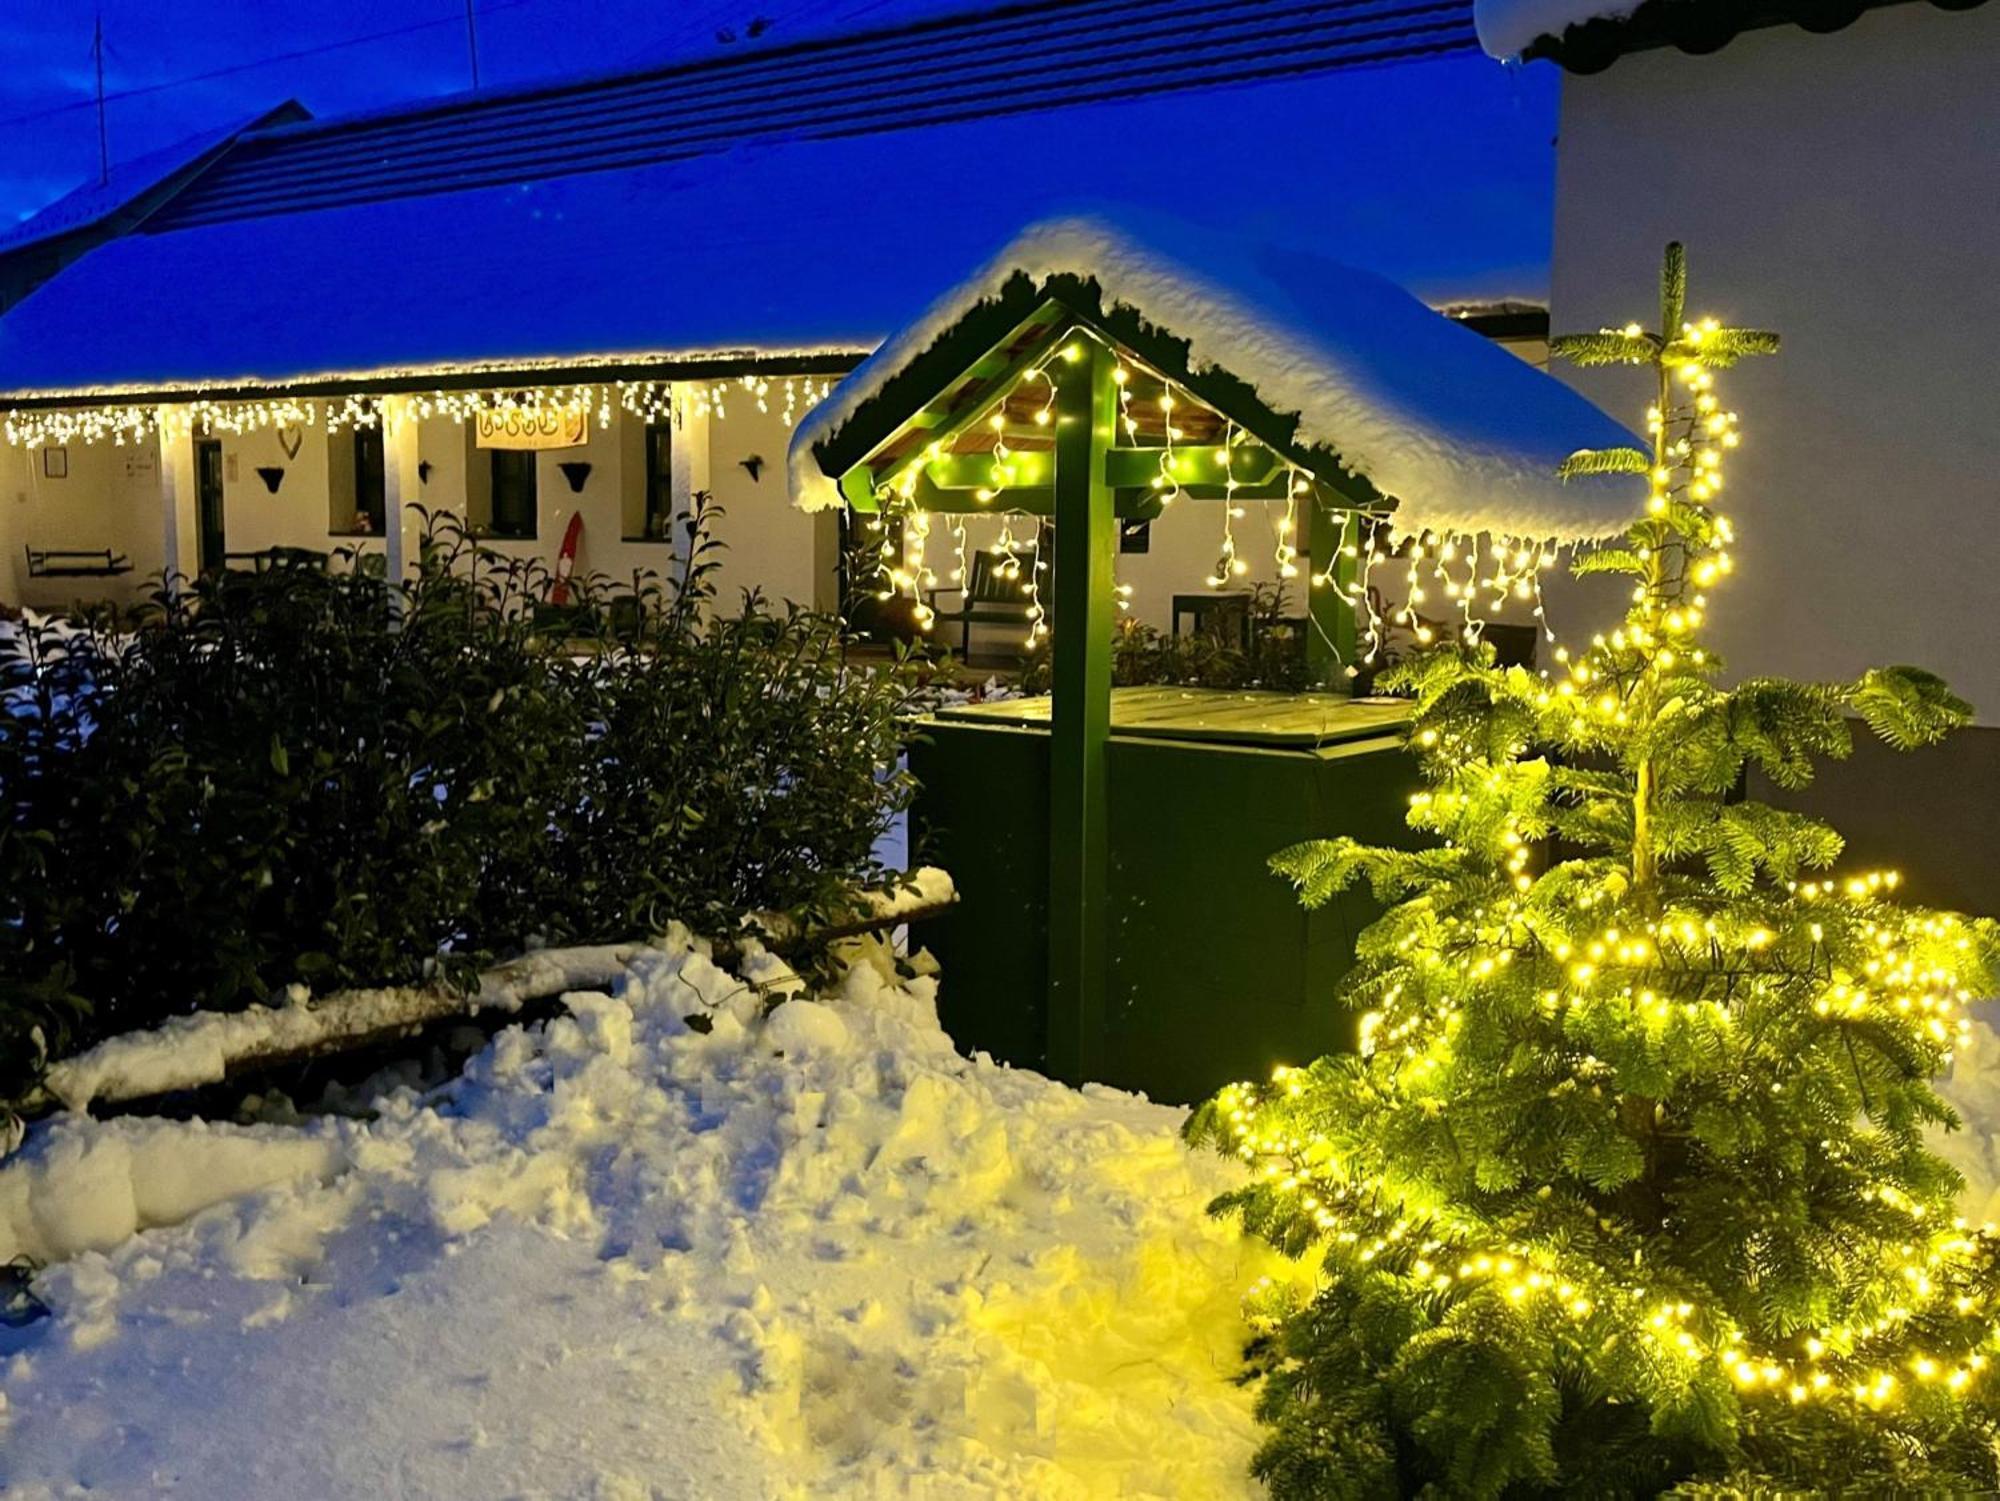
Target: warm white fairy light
{"x":1285,"y":555}
{"x":1913,"y":983}
{"x":1497,"y":573}
{"x":648,"y":400}
{"x":1037,"y":617}
{"x":961,"y":559}
{"x":916,"y":573}
{"x":1892,"y":970}
{"x":1229,"y":565}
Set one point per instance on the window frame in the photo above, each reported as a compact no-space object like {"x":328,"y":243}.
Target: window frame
{"x":524,"y":473}
{"x":656,"y":500}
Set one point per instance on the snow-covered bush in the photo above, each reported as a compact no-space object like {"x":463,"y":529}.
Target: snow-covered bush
{"x":307,"y":774}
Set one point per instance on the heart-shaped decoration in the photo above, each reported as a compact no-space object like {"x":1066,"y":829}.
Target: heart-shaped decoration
{"x":291,"y":439}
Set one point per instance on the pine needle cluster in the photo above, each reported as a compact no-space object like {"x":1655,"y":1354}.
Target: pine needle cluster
{"x":1627,"y":1190}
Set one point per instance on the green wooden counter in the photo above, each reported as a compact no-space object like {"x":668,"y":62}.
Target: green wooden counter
{"x":1216,"y":972}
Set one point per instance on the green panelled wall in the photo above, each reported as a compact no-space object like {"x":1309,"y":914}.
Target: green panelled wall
{"x":1215,"y":971}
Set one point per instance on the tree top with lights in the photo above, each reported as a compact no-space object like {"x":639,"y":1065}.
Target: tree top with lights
{"x":1627,"y":1188}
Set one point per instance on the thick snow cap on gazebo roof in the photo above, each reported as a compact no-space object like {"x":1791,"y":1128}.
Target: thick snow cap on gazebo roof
{"x":1507,"y":28}
{"x":1462,"y":435}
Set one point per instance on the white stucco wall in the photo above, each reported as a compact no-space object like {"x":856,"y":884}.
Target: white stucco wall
{"x":110,"y":498}
{"x":295,"y":515}
{"x":1844,"y":190}
{"x":771,"y":543}
{"x":791,"y":555}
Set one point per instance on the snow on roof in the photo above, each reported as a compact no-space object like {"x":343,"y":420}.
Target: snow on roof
{"x":129,"y":180}
{"x":1463,"y":435}
{"x":1508,"y":28}
{"x":783,"y":247}
{"x":1078,"y":52}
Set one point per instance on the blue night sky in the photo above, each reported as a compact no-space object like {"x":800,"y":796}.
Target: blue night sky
{"x":177,"y":67}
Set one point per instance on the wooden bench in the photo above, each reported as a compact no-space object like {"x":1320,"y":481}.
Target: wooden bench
{"x":994,"y":595}
{"x":265,"y":559}
{"x":69,"y":563}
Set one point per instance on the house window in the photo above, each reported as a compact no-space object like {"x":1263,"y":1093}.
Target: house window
{"x":658,"y":520}
{"x":1135,"y":536}
{"x":371,"y":488}
{"x":357,"y":487}
{"x":512,"y":502}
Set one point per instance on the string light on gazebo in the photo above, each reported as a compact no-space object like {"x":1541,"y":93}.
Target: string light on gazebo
{"x":1481,"y":577}
{"x":1286,"y":554}
{"x":1228,"y":565}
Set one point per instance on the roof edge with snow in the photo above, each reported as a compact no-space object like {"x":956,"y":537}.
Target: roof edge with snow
{"x":137,"y":186}
{"x":449,"y":375}
{"x":1588,"y":36}
{"x":1338,"y":369}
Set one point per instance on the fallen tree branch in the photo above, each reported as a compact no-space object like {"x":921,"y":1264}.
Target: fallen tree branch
{"x":191,"y":1052}
{"x":925,"y":892}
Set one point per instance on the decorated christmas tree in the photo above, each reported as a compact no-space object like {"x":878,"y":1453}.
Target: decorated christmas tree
{"x":1627,"y":1187}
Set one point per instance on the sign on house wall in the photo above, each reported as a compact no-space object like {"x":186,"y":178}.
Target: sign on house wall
{"x":538,"y":427}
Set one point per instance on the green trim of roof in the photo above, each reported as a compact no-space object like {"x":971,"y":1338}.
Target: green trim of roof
{"x":1699,"y":27}
{"x":992,"y":322}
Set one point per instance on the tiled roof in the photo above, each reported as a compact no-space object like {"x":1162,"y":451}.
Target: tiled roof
{"x":1010,"y":59}
{"x":130,"y":181}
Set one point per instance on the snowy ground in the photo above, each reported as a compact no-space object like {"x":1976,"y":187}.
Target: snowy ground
{"x":1973,"y":1090}
{"x":819,"y":1255}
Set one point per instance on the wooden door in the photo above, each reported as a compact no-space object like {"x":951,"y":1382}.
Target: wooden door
{"x":208,"y":502}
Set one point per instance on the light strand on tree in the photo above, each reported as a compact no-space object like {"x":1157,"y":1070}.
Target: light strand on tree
{"x":1636,"y":1133}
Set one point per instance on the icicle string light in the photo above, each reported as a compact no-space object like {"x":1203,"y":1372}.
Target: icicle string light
{"x":648,"y":400}
{"x":1497,"y":574}
{"x":1228,"y":564}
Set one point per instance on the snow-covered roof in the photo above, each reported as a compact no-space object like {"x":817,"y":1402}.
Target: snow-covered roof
{"x":1462,"y":435}
{"x":1037,"y":55}
{"x":130,"y":180}
{"x":792,"y":247}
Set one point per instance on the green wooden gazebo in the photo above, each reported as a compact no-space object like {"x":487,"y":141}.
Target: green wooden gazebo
{"x":1093,"y":369}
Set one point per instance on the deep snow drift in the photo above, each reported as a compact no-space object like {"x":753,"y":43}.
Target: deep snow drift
{"x":817,"y":1254}
{"x":814,"y":1255}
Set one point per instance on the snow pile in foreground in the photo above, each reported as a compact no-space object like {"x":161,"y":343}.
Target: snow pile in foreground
{"x":1507,"y":28}
{"x":813,"y":1255}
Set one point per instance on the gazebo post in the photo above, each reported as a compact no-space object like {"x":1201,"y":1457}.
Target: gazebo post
{"x":1079,"y":814}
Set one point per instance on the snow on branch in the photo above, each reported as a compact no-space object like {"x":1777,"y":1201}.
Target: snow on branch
{"x":190,"y":1052}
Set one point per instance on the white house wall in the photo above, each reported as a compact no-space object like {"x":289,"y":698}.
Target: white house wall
{"x":256,"y":518}
{"x":109,"y":499}
{"x":771,"y":545}
{"x":1844,"y":190}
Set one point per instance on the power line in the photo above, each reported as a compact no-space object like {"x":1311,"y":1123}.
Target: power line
{"x":103,"y":135}
{"x":252,"y":64}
